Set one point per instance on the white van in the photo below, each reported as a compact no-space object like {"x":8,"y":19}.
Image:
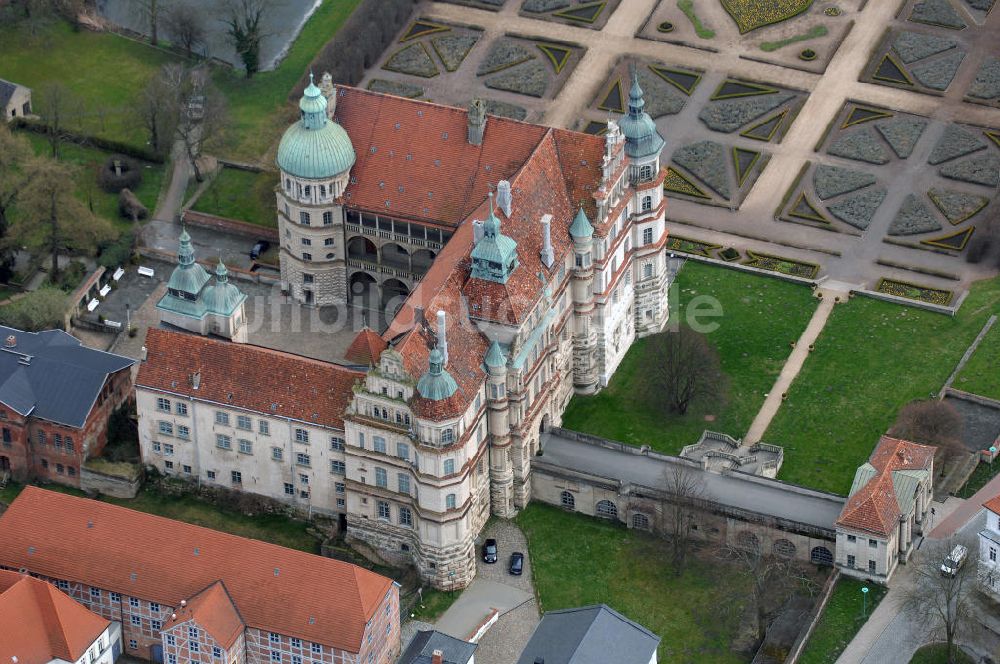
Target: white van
{"x":954,"y":561}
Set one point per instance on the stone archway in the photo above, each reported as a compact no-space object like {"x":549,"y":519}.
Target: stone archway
{"x":394,"y":293}
{"x":395,"y":256}
{"x":422,"y":259}
{"x":362,"y":249}
{"x":363,"y":290}
{"x":544,"y":425}
{"x":820,"y":555}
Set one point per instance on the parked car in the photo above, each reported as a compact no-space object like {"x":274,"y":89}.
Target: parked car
{"x":954,"y":561}
{"x":490,"y":551}
{"x":259,"y":247}
{"x":516,"y":565}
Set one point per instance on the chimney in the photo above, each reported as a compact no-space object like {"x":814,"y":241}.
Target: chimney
{"x":437,"y":657}
{"x":477,"y":121}
{"x":142,"y":354}
{"x":183,"y":603}
{"x":443,"y":335}
{"x":196,"y":380}
{"x":477,"y":231}
{"x":503,"y":197}
{"x":547,"y":255}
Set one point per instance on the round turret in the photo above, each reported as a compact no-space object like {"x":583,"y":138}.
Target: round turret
{"x":641,"y":136}
{"x":315,"y":147}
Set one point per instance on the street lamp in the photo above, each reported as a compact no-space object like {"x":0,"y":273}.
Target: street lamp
{"x":864,"y":601}
{"x":993,"y":453}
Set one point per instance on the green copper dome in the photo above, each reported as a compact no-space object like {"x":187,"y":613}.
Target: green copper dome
{"x":315,"y":148}
{"x":222,"y":297}
{"x":495,"y":255}
{"x":641,"y":136}
{"x":436,"y":384}
{"x":188,"y":277}
{"x":581,"y":226}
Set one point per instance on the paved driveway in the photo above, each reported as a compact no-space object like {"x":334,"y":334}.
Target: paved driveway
{"x":495,"y":588}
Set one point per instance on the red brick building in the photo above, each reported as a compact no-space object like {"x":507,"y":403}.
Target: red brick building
{"x":55,"y":399}
{"x":183,"y":593}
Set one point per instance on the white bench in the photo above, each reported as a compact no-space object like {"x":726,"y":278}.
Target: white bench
{"x":146,"y":272}
{"x":93,"y":304}
{"x":113,"y":324}
{"x":119,"y":273}
{"x":105,"y":289}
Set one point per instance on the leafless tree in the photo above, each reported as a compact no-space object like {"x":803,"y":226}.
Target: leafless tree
{"x":157,"y":107}
{"x":681,"y":368}
{"x":149,"y":12}
{"x":58,"y":107}
{"x":34,"y":15}
{"x":931,"y":422}
{"x":201,"y":118}
{"x":769,"y":580}
{"x":246,"y":31}
{"x":185,"y":24}
{"x":941,"y":601}
{"x":15,"y":156}
{"x":685,"y":488}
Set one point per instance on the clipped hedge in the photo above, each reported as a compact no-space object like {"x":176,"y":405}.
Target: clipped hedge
{"x":107,"y":144}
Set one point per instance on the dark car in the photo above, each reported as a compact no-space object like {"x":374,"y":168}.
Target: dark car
{"x":259,"y":247}
{"x":516,"y":563}
{"x":490,"y":551}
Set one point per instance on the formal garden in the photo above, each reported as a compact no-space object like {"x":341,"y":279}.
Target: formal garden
{"x":760,"y":319}
{"x":592,"y":14}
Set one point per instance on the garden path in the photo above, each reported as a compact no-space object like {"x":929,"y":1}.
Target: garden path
{"x":793,"y":365}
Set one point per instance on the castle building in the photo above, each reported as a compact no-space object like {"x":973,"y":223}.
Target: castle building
{"x":517,"y":263}
{"x":192,"y":304}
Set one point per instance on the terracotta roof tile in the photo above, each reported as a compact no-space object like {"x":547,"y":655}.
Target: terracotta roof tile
{"x":40,"y":623}
{"x":366,"y":348}
{"x":993,"y":504}
{"x":214,"y":611}
{"x":276,"y":589}
{"x":251,"y":377}
{"x":874,"y":508}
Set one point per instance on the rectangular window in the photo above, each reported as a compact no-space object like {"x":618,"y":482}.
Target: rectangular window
{"x":155,"y":625}
{"x":872,"y":544}
{"x":404,"y":483}
{"x":302,"y":459}
{"x":168,"y":449}
{"x":289,"y":489}
{"x":403,"y":451}
{"x":246,"y":447}
{"x":993,"y":553}
{"x":277,"y":453}
{"x":380,"y":478}
{"x":171,"y":659}
{"x":183,"y":432}
{"x":448,"y":436}
{"x":182,"y":408}
{"x":133,"y":602}
{"x":71,"y":471}
{"x":275,"y":656}
{"x":307,"y":257}
{"x":95,"y":593}
{"x":341,"y":503}
{"x":383,"y":510}
{"x":186,"y":469}
{"x":274,"y":638}
{"x":216,"y":652}
{"x":296,"y":643}
{"x":194,"y":646}
{"x":237,"y":477}
{"x":336,"y":443}
{"x":340,"y":487}
{"x":163,"y":404}
{"x":116,"y":597}
{"x":154,"y":607}
{"x":449,"y":466}
{"x":168,"y":464}
{"x":850,"y":561}
{"x":304,"y":479}
{"x":221,"y":417}
{"x":132,"y":644}
{"x":871,"y":566}
{"x":57,"y":440}
{"x":296,"y":659}
{"x":647,"y":236}
{"x":69,"y":444}
{"x":328,"y":242}
{"x":210,"y":474}
{"x":316,"y":648}
{"x":62,"y":585}
{"x":405,"y":517}
{"x":243,"y":422}
{"x":306,"y":242}
{"x":264,"y":427}
{"x":223,"y":442}
{"x":136,"y":620}
{"x":41,"y":437}
{"x":301,"y":436}
{"x":379,"y":444}
{"x":307,"y":278}
{"x":171,"y":641}
{"x":338,"y":467}
{"x":852,"y":538}
{"x":450,"y":501}
{"x":304,"y":218}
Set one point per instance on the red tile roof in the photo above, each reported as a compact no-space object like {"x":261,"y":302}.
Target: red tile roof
{"x":38,"y":623}
{"x":366,"y":348}
{"x":214,"y":611}
{"x":275,"y":589}
{"x":251,"y":377}
{"x":993,"y":504}
{"x":873,"y":508}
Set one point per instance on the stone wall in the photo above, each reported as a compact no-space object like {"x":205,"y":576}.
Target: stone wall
{"x":92,"y":481}
{"x":229,"y":225}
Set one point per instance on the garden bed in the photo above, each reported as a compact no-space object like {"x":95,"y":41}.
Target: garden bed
{"x":688,"y":246}
{"x":914,"y":292}
{"x":913,"y":218}
{"x":783,"y":265}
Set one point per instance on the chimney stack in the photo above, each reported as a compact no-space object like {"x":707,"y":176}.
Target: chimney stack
{"x":142,"y":354}
{"x":477,"y":121}
{"x":503,"y":197}
{"x":548,"y":256}
{"x":196,"y":380}
{"x":443,"y":335}
{"x":437,"y":657}
{"x":477,"y":231}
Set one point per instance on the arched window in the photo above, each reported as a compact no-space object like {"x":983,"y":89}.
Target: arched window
{"x":748,"y":541}
{"x":821,"y":555}
{"x":647,"y":203}
{"x":567,"y":500}
{"x":640,"y":521}
{"x":322,"y":191}
{"x":607,"y":509}
{"x":784,"y":548}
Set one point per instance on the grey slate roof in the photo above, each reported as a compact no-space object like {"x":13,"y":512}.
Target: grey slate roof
{"x":423,"y":645}
{"x":589,"y":635}
{"x":51,"y":375}
{"x":6,"y":91}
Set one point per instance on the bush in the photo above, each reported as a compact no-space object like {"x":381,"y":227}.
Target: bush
{"x":119,"y":172}
{"x":99,"y":142}
{"x":43,"y":309}
{"x":117,"y":253}
{"x":130,"y":207}
{"x":123,"y":435}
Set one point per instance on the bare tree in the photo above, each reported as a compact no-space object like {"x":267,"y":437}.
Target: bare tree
{"x":941,"y":601}
{"x":148,"y":11}
{"x":201,"y":118}
{"x":15,"y":157}
{"x":185,"y":24}
{"x":246,"y":31}
{"x":157,"y":107}
{"x":681,"y":369}
{"x":58,"y":107}
{"x":931,"y":422}
{"x":770,"y":580}
{"x":686,"y":488}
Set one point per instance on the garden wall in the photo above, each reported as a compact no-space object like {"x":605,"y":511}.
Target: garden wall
{"x":215,"y":222}
{"x":93,"y":481}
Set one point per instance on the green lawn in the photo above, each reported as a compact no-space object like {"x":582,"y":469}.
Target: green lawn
{"x":578,"y":560}
{"x":980,"y":375}
{"x":104,"y":71}
{"x":937,"y":653}
{"x":89,"y":161}
{"x":241,"y":195}
{"x":434,"y":604}
{"x":871,"y":359}
{"x":761,"y":316}
{"x":841,"y":620}
{"x":274,"y":528}
{"x":983,"y":473}
{"x":258,"y":109}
